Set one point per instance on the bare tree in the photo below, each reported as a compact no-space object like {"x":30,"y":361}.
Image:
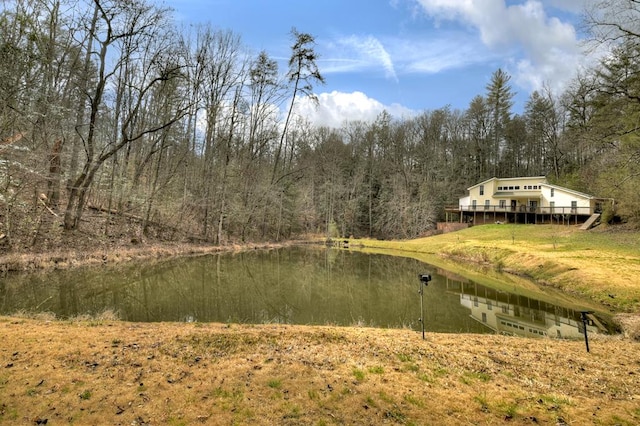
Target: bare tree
{"x":126,"y":30}
{"x":303,"y":72}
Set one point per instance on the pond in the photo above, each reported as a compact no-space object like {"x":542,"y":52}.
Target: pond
{"x":300,"y":285}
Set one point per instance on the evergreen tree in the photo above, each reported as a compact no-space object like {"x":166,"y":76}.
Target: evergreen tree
{"x":499,"y":102}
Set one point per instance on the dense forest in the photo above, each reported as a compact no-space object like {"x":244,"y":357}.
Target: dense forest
{"x":110,"y":106}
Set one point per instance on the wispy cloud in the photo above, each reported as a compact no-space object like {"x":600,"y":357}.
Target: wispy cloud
{"x":399,"y":56}
{"x":438,"y":54}
{"x":354,"y":52}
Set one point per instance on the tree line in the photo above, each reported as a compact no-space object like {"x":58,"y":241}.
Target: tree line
{"x":108,"y":105}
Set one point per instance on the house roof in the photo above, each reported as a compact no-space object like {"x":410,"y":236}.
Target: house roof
{"x":571,"y":191}
{"x":540,"y":178}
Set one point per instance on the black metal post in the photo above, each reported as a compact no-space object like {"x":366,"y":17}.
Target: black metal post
{"x":424,"y":281}
{"x":422,"y":308}
{"x":584,"y":325}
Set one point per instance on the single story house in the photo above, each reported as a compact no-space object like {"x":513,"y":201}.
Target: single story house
{"x":525,"y":200}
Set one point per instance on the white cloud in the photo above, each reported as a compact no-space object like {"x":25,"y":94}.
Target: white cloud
{"x":336,"y":107}
{"x":541,"y":48}
{"x":434,"y":55}
{"x":364,"y":52}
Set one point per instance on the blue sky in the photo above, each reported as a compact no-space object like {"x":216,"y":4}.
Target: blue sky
{"x":407,"y":56}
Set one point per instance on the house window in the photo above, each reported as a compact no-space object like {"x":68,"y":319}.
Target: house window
{"x":552,"y":192}
{"x":574,"y":207}
{"x":474,"y":204}
{"x":535,"y":186}
{"x":486,"y":204}
{"x":552,"y":205}
{"x":517,"y":187}
{"x":503,"y":204}
{"x":481,"y":189}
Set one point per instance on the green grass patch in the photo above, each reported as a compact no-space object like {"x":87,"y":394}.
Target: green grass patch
{"x":274,"y":383}
{"x":475,"y":376}
{"x":222,"y":393}
{"x":555,"y":401}
{"x":509,"y":409}
{"x":371,"y":402}
{"x":359,"y":374}
{"x":378,"y":369}
{"x":405,"y":357}
{"x":386,"y":398}
{"x":411,"y":399}
{"x":484,"y":403}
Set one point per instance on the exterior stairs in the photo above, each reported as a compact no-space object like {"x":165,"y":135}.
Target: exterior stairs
{"x":590,"y":222}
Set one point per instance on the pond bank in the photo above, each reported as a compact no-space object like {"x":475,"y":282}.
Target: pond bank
{"x":73,"y":257}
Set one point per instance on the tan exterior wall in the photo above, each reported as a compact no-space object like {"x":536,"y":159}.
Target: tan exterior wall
{"x":491,"y":186}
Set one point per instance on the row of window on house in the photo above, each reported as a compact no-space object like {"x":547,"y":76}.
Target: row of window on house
{"x":514,"y":188}
{"x":517,"y":187}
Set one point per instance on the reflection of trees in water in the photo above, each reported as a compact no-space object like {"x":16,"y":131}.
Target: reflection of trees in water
{"x":296,"y":285}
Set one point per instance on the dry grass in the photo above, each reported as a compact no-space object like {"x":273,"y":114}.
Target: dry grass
{"x":109,"y":372}
{"x":111,"y":254}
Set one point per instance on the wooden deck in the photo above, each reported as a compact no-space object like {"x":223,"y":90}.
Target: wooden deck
{"x":479,"y":215}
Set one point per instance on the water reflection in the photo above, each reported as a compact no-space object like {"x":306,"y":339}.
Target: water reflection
{"x":292,"y":286}
{"x":520,"y":315}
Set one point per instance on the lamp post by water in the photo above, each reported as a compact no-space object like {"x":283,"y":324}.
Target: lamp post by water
{"x":424,"y":281}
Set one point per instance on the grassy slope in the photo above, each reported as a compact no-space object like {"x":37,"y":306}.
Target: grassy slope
{"x":110,"y":372}
{"x":602,"y":264}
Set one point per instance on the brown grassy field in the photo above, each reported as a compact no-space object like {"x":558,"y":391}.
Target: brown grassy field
{"x":104,"y":371}
{"x":91,"y":372}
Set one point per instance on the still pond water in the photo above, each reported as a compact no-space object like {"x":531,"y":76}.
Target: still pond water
{"x":299,"y":285}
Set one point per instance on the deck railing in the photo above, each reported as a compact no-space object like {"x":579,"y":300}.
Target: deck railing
{"x":561,"y":210}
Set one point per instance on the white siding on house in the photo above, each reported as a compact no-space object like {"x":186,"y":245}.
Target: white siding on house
{"x":465,"y":201}
{"x":563,"y":197}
